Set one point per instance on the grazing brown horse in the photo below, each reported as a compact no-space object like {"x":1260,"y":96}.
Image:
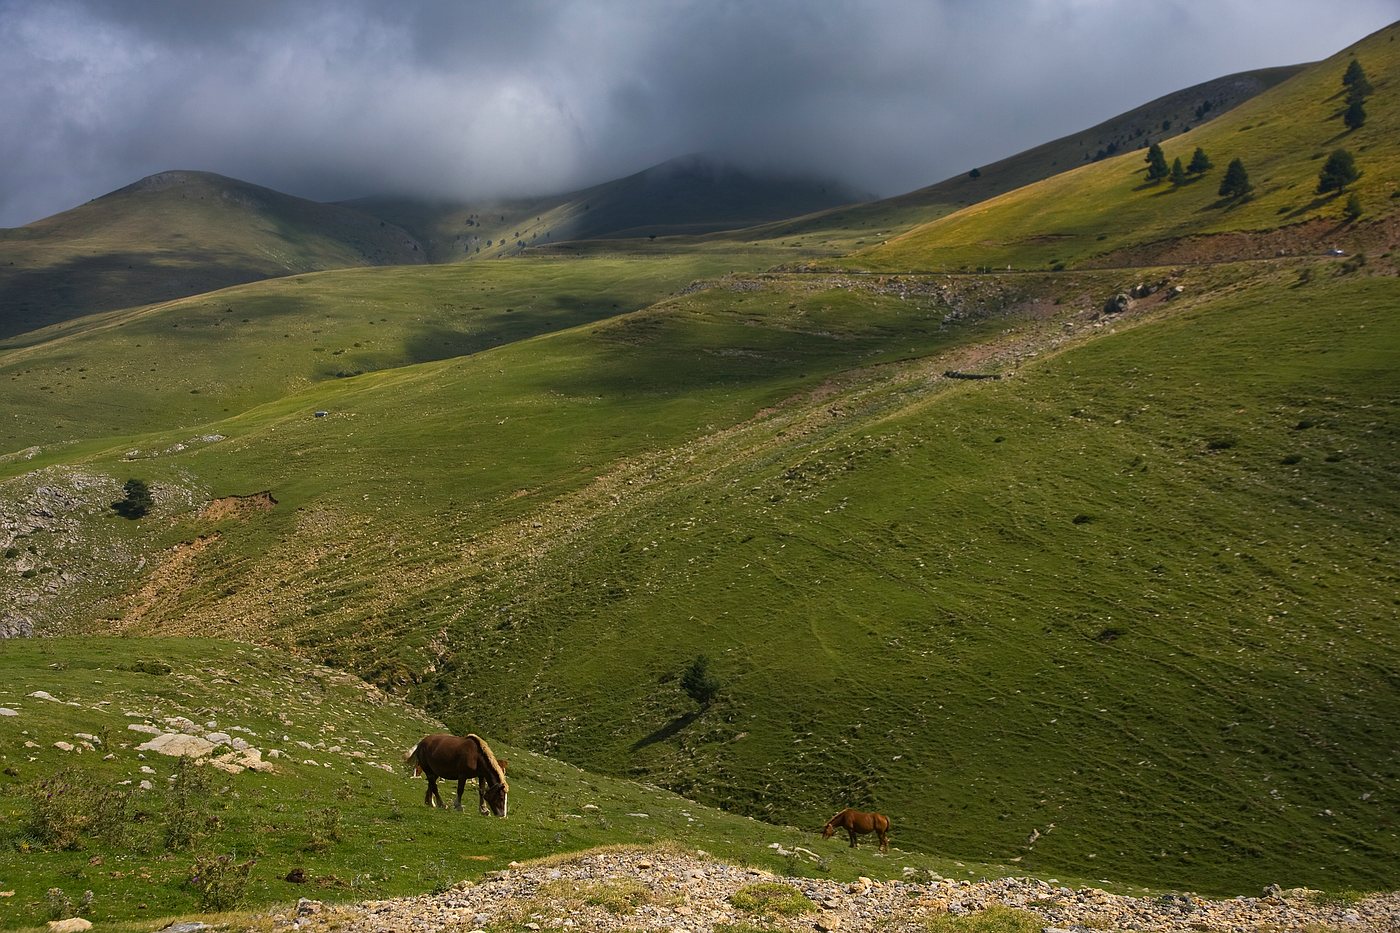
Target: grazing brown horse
{"x":858,"y":822}
{"x":457,"y":759}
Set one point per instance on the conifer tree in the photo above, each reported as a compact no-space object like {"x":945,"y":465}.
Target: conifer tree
{"x":1235,"y":184}
{"x":1355,"y":82}
{"x":136,"y":501}
{"x":1355,"y":115}
{"x":1178,"y":173}
{"x":1200,"y":162}
{"x":1338,"y":172}
{"x":1156,"y":163}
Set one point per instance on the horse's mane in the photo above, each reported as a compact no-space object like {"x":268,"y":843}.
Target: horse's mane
{"x":495,"y":766}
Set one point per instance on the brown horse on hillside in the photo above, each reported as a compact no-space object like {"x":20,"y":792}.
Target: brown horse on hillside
{"x":457,"y":759}
{"x":858,"y":822}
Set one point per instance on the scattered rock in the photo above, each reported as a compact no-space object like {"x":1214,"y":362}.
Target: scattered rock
{"x":71,"y":925}
{"x":188,"y":926}
{"x":296,"y":876}
{"x":6,"y":711}
{"x":828,"y":922}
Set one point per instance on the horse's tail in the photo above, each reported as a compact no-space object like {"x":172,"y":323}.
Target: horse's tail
{"x":498,"y":773}
{"x":412,"y":755}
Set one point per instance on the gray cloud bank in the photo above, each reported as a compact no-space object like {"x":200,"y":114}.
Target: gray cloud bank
{"x":341,"y":98}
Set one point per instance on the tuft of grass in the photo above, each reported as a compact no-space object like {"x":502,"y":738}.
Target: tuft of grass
{"x":770,"y":899}
{"x":991,"y":920}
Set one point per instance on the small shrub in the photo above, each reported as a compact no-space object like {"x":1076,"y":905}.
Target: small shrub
{"x":159,"y":668}
{"x":1291,"y":459}
{"x":771,"y":899}
{"x":1082,"y":519}
{"x":187,"y":816}
{"x":1223,"y":442}
{"x":62,"y":812}
{"x":59,"y":905}
{"x":220,"y":881}
{"x":325,"y":829}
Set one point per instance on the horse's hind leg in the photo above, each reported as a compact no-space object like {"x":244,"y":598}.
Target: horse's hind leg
{"x":884,"y":840}
{"x":431,"y":792}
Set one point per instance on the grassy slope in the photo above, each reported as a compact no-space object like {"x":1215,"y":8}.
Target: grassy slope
{"x":340,"y":775}
{"x":1149,"y":604}
{"x":844,"y":229}
{"x":1283,"y":136}
{"x":237,"y":348}
{"x":903,"y":607}
{"x":176,"y":234}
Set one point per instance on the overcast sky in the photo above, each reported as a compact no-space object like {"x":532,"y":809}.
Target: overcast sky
{"x":341,"y":98}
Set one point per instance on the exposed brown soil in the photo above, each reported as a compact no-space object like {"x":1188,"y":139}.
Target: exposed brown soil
{"x":237,"y":506}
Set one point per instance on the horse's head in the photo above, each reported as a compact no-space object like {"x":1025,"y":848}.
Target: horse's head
{"x":829,"y":829}
{"x":496,"y":796}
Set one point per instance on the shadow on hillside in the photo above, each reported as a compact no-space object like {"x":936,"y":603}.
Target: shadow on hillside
{"x":666,"y":731}
{"x":1314,"y":204}
{"x":34,"y":298}
{"x":484,"y":329}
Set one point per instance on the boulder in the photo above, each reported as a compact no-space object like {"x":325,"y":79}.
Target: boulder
{"x":1117,"y":304}
{"x":71,"y":925}
{"x":177,"y":744}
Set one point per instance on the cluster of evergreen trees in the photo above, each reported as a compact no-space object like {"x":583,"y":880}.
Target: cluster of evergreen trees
{"x":1339,"y":170}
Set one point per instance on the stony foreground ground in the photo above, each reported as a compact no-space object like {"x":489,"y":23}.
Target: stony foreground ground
{"x":695,"y":894}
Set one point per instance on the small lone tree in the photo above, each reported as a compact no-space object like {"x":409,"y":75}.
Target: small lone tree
{"x":1353,"y":208}
{"x":137,"y":500}
{"x":1235,"y":184}
{"x":1178,"y":173}
{"x":698,"y":683}
{"x":1355,"y":115}
{"x":1355,"y":81}
{"x":1200,"y":162}
{"x":975,"y":173}
{"x":1338,"y":172}
{"x":1156,"y":163}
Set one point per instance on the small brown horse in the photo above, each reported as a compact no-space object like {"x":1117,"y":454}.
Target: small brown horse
{"x":858,"y":822}
{"x":458,"y":759}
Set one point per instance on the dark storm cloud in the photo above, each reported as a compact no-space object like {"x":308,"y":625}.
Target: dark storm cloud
{"x":338,"y":98}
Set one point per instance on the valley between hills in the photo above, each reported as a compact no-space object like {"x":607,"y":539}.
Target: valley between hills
{"x":1049,"y":510}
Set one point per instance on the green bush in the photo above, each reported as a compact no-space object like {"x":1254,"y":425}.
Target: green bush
{"x":220,"y":881}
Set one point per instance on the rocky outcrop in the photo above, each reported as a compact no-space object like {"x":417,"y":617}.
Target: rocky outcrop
{"x":670,"y":891}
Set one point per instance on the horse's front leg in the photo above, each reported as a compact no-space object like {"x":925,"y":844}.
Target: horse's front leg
{"x":852,"y":834}
{"x":481,"y":798}
{"x":431,"y":792}
{"x":461,"y":786}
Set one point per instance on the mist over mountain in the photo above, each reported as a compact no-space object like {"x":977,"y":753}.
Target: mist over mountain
{"x":331,"y":101}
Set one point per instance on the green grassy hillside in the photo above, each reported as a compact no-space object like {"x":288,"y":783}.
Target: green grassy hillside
{"x":177,"y":234}
{"x":689,"y":195}
{"x":1126,"y":610}
{"x":335,"y":799}
{"x":841,"y":230}
{"x":1134,"y":598}
{"x":1283,"y":136}
{"x":199,"y":359}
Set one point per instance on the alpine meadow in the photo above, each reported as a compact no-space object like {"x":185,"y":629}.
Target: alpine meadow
{"x":1049,"y":510}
